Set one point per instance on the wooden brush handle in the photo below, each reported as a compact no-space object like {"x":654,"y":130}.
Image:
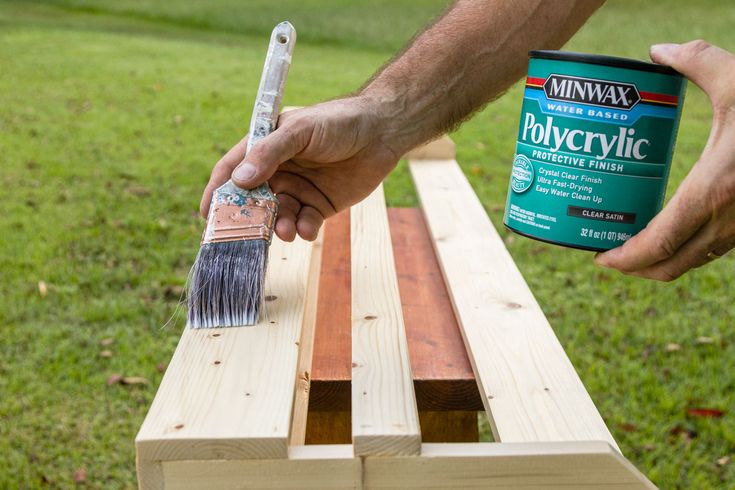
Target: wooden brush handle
{"x":250,"y":214}
{"x":272,"y":81}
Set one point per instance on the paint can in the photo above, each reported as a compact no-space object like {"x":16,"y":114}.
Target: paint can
{"x":594,"y":148}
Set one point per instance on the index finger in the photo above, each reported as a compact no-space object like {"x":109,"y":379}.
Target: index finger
{"x":221,"y":173}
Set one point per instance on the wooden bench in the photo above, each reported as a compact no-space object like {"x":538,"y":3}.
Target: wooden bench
{"x":381,"y":341}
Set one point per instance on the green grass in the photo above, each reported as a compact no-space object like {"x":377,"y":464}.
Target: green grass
{"x":111,"y":116}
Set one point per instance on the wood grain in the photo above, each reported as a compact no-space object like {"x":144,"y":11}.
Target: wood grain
{"x":149,"y":472}
{"x":442,"y":372}
{"x":449,"y":426}
{"x":513,"y":466}
{"x":306,"y":346}
{"x":443,"y":377}
{"x":435,"y":343}
{"x":384,"y":414}
{"x":333,"y":427}
{"x":527,"y":466}
{"x":228,"y":392}
{"x":333,"y":337}
{"x":308,"y":467}
{"x":442,"y":426}
{"x":530,"y":388}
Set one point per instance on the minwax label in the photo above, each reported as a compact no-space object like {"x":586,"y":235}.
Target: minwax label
{"x":593,"y":153}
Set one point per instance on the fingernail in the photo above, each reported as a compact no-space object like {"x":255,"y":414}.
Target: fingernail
{"x":606,"y":259}
{"x":601,"y":259}
{"x":244,"y":172}
{"x":663,"y":49}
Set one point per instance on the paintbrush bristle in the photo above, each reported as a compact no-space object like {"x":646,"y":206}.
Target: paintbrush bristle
{"x":226,"y":286}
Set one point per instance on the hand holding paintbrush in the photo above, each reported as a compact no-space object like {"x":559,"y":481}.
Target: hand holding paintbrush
{"x":227,"y":278}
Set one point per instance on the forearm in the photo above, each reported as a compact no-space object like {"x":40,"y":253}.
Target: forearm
{"x":471,"y":55}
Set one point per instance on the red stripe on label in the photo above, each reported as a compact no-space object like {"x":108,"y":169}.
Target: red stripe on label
{"x":645,"y":96}
{"x":536,"y":82}
{"x":662,"y":98}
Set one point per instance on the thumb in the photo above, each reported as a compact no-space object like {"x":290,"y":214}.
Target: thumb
{"x":267,"y":155}
{"x":710,"y":67}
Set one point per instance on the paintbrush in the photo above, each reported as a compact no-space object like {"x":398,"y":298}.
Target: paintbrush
{"x":227,"y":280}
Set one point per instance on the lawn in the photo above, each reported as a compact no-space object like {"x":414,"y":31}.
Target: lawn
{"x":111,"y":116}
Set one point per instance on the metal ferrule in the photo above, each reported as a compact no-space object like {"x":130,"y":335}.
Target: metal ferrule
{"x":253,"y":220}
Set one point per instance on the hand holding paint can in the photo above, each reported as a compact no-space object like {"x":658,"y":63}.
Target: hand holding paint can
{"x":594,"y":148}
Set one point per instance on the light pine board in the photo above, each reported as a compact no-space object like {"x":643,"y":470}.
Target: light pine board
{"x":308,"y":468}
{"x":384,"y":414}
{"x":530,"y":388}
{"x":306,"y":347}
{"x":561,"y":465}
{"x":516,"y":466}
{"x":228,"y":393}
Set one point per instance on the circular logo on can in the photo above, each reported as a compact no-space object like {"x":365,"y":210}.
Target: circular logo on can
{"x":521,"y":177}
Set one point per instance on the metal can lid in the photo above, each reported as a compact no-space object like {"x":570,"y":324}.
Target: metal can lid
{"x":599,"y":59}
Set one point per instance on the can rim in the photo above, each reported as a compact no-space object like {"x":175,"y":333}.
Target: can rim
{"x":600,"y":59}
{"x":553,"y":242}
